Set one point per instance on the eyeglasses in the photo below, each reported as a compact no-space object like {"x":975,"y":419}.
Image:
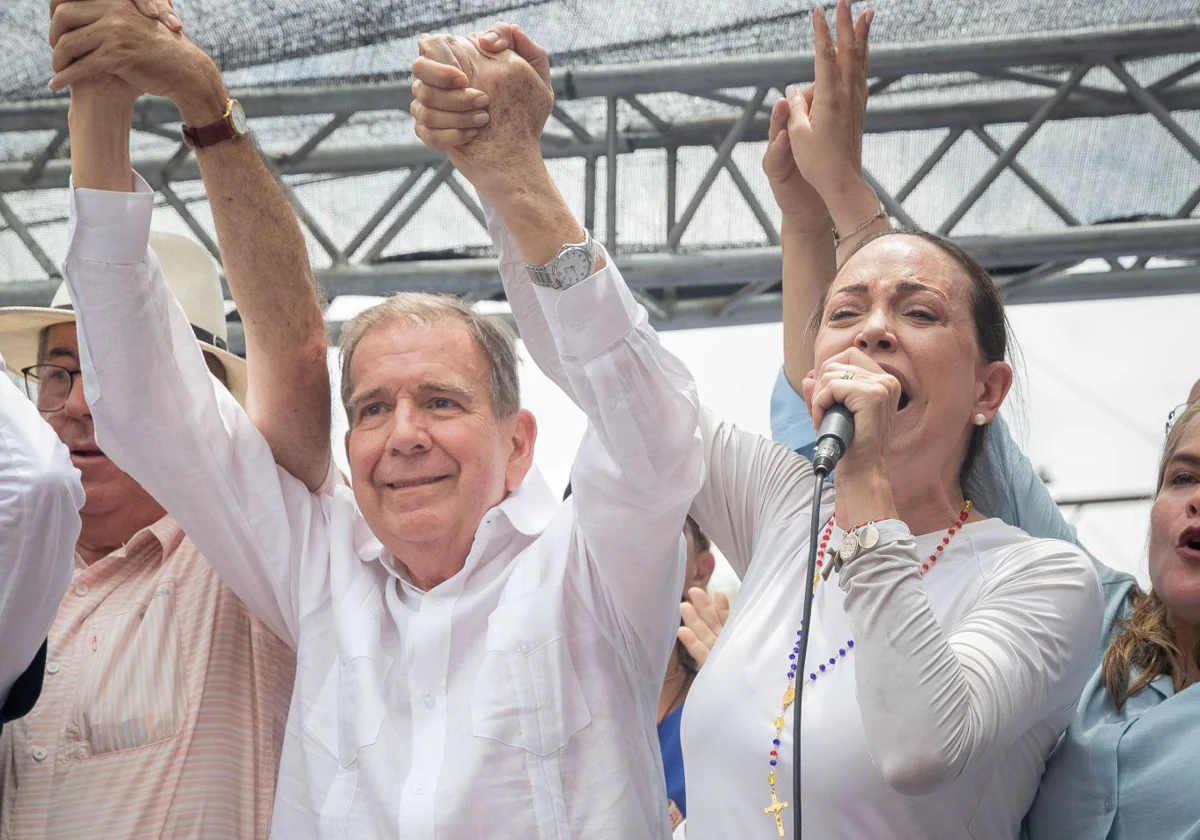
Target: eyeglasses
{"x":49,"y":386}
{"x":1174,"y":415}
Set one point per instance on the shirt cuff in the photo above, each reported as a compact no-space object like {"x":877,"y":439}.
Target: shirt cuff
{"x":592,"y":315}
{"x":110,"y":227}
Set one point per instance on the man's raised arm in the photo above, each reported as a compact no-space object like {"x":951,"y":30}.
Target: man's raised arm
{"x":262,"y":248}
{"x":640,"y":463}
{"x":158,"y":412}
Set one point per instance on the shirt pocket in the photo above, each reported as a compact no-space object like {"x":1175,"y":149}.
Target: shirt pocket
{"x":133,"y":690}
{"x":348,"y":709}
{"x":527,"y":694}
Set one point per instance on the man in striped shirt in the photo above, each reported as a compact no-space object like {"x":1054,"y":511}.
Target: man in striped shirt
{"x":165,"y":700}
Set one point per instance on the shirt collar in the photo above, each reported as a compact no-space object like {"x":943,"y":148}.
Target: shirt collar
{"x":165,"y":531}
{"x":1163,"y":685}
{"x":529,"y":507}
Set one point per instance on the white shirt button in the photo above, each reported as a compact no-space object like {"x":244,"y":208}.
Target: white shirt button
{"x":52,"y":668}
{"x":428,"y":700}
{"x":419,"y":790}
{"x":1107,"y":804}
{"x":81,"y":589}
{"x":579,"y":325}
{"x":39,"y":753}
{"x":524,"y":648}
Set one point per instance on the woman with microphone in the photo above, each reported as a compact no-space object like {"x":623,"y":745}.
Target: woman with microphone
{"x":946,"y":649}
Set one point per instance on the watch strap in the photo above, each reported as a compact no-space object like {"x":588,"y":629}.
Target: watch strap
{"x":548,"y":275}
{"x":201,"y":136}
{"x":540,"y":275}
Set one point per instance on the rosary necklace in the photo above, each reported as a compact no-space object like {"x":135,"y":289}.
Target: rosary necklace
{"x":775,"y":809}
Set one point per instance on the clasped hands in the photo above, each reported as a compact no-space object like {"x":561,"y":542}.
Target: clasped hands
{"x":118,"y":49}
{"x":484,"y":99}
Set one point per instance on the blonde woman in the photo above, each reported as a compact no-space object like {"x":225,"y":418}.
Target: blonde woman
{"x":1125,"y":769}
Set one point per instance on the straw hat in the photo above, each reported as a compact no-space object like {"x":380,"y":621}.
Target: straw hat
{"x":191,"y":274}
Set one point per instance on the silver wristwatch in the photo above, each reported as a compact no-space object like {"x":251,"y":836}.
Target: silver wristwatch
{"x":572,"y":264}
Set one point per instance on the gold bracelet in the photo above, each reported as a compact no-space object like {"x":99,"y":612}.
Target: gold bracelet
{"x":838,"y":239}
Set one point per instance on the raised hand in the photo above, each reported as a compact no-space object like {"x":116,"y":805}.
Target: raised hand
{"x":461,"y":82}
{"x":825,"y":122}
{"x":802,"y":206}
{"x":114,"y":92}
{"x":703,"y":618}
{"x":92,"y":38}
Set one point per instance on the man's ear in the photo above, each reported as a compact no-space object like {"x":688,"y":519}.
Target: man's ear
{"x":523,"y":435}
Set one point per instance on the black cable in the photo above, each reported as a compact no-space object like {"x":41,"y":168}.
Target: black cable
{"x":810,"y":575}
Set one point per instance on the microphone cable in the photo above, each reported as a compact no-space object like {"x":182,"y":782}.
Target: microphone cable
{"x":801,"y":677}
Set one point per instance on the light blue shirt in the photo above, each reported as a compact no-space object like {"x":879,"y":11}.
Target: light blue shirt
{"x":1123,"y":775}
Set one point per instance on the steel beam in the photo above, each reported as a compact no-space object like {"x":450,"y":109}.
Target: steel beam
{"x":882,"y":120}
{"x":1003,"y":160}
{"x":698,"y":77}
{"x":739,"y":266}
{"x":766,"y":309}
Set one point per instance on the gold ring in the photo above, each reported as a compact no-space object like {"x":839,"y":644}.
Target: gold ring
{"x":849,"y":374}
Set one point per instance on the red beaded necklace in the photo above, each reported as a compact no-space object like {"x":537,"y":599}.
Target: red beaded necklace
{"x":776,"y":807}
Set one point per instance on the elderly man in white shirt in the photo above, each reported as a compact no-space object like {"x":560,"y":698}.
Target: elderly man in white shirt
{"x":474,"y":659}
{"x":40,"y":498}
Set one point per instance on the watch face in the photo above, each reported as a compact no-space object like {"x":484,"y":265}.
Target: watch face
{"x":237,"y":116}
{"x":573,"y":265}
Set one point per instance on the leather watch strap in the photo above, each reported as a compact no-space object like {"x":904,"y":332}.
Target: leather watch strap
{"x":226,"y":128}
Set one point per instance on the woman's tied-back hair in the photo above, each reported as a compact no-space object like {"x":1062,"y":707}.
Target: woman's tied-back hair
{"x":419,"y":309}
{"x":987,"y":310}
{"x":1144,"y":646}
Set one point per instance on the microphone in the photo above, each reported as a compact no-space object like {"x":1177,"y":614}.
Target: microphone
{"x":834,"y":438}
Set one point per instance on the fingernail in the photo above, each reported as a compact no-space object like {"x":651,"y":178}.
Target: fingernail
{"x":173,"y":21}
{"x":791,"y":91}
{"x":489,"y":37}
{"x":480,"y":118}
{"x":481,"y":101}
{"x":471,"y":133}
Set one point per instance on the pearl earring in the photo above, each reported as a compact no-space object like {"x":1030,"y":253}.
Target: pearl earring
{"x":979,"y":420}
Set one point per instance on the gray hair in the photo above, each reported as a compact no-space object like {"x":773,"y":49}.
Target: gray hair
{"x":419,"y":309}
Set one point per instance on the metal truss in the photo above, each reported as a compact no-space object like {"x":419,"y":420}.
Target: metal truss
{"x":721,"y":285}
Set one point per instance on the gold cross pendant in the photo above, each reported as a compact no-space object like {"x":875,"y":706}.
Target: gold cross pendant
{"x":774,"y":810}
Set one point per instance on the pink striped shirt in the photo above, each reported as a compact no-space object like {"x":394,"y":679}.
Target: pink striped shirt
{"x":163,"y":710}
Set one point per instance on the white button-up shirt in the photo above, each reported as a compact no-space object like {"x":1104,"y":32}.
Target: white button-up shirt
{"x":40,"y":498}
{"x":516,"y":699}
